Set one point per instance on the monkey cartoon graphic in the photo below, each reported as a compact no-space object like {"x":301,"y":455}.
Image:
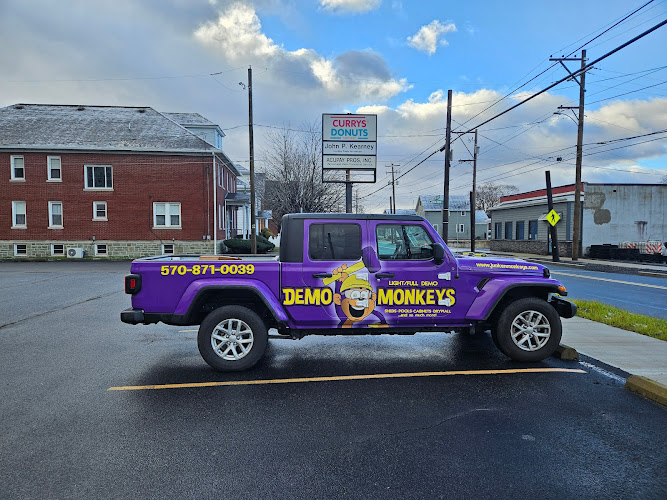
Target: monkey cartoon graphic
{"x":354,"y":298}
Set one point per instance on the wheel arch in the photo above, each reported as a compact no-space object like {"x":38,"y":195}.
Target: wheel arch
{"x":514,"y":292}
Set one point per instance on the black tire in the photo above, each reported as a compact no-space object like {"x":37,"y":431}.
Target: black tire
{"x":528,"y":329}
{"x":227,"y":333}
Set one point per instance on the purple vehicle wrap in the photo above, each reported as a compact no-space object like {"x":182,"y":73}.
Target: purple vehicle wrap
{"x":350,"y":274}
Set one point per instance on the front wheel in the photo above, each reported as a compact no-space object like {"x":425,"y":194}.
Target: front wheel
{"x":528,"y":329}
{"x":232,"y":338}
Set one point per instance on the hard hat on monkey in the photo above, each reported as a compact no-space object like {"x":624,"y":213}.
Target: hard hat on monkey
{"x":353,"y":282}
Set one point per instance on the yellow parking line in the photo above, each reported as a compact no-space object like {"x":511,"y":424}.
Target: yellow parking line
{"x":342,"y":377}
{"x":610,"y":280}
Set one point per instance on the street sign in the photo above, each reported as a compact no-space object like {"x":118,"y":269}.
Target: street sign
{"x":553,"y":217}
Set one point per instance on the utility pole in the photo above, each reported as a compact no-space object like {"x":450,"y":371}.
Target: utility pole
{"x":392,"y":207}
{"x":253,"y":215}
{"x":446,"y":147}
{"x":576,"y":224}
{"x":473,"y":193}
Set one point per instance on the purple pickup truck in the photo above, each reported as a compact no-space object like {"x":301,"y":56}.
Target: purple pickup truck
{"x":348,"y":274}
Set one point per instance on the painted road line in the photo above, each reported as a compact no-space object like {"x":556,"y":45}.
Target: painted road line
{"x":342,"y":377}
{"x":610,"y":280}
{"x":187,"y":331}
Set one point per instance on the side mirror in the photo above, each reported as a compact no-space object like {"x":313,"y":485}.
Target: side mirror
{"x":438,"y":253}
{"x":370,"y":259}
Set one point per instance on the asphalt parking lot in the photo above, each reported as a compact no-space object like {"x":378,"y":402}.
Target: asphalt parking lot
{"x":92,"y":407}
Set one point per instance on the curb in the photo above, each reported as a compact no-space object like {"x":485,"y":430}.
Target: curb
{"x":647,"y":388}
{"x":566,"y":353}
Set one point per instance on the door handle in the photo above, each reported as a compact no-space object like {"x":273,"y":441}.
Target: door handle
{"x":384,"y":275}
{"x":322,"y":275}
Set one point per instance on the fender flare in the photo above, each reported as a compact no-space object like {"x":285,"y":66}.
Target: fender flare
{"x":488,"y":299}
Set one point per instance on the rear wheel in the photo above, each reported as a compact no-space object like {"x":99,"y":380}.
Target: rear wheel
{"x":528,"y":329}
{"x":232,"y":338}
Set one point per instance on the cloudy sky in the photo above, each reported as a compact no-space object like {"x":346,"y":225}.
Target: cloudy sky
{"x":390,"y":57}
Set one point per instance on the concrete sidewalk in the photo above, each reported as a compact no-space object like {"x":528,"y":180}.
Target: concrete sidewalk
{"x":631,"y":352}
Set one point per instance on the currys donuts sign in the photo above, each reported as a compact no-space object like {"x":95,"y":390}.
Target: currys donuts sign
{"x":349,"y":142}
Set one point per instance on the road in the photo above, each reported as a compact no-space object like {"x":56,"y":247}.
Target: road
{"x":453,"y":418}
{"x":640,"y":294}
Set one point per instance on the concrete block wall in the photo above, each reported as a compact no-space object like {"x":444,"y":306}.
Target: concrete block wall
{"x":530,"y":246}
{"x":115,"y":249}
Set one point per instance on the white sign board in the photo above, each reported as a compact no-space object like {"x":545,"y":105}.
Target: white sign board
{"x":349,"y":143}
{"x":349,"y":127}
{"x":348,"y":162}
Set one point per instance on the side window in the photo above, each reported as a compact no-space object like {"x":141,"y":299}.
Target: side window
{"x":403,"y":242}
{"x":334,"y":241}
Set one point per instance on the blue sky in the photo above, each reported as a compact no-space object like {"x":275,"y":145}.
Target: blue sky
{"x":390,"y":57}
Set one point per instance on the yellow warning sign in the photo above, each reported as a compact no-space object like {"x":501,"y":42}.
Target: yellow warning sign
{"x":553,"y":217}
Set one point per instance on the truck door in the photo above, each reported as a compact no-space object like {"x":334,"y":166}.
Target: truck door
{"x":332,"y":254}
{"x":411,"y":288}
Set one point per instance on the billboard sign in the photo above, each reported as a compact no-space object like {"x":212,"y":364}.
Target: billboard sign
{"x":349,"y":143}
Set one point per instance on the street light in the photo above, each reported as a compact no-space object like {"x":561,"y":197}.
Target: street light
{"x":565,"y":114}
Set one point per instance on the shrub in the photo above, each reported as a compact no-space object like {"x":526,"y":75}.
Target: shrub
{"x":243,"y":246}
{"x":266,"y":233}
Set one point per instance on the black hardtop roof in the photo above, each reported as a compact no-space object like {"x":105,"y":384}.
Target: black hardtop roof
{"x":335,"y":216}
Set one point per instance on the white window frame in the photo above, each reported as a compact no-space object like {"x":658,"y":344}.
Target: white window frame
{"x":49,"y":178}
{"x":16,"y":213}
{"x":16,"y":249}
{"x":104,"y":253}
{"x":62,"y":221}
{"x":93,"y":188}
{"x":53,"y":249}
{"x":13,"y":168}
{"x":167,"y":215}
{"x":460,"y":228}
{"x":164,"y":248}
{"x":97,"y":217}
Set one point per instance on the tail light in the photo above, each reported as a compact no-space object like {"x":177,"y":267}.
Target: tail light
{"x":132,"y":284}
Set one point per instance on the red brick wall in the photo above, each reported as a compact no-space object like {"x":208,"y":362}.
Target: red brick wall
{"x":138,"y":181}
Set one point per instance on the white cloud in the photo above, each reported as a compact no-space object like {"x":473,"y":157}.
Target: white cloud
{"x":237,"y":37}
{"x":429,"y":37}
{"x":351,"y":6}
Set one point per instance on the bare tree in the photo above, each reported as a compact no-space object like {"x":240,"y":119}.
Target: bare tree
{"x":294,"y":174}
{"x":488,"y":195}
{"x":664,"y":180}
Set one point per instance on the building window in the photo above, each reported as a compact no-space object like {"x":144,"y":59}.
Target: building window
{"x":100,"y":210}
{"x":57,"y":249}
{"x":55,"y":214}
{"x":18,"y":169}
{"x":167,"y":249}
{"x":20,"y":249}
{"x":101,"y":250}
{"x":508,"y":230}
{"x":532,"y":229}
{"x":18,"y":215}
{"x":98,"y":177}
{"x":460,"y":228}
{"x":54,"y":170}
{"x":167,"y":215}
{"x":519,"y":229}
{"x":499,"y":231}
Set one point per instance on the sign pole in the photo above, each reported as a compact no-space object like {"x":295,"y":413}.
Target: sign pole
{"x":348,"y":194}
{"x":554,"y":233}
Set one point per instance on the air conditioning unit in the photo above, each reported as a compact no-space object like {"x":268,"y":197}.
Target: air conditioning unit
{"x":75,"y":253}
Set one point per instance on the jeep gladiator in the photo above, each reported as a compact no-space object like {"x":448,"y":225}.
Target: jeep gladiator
{"x":348,"y":274}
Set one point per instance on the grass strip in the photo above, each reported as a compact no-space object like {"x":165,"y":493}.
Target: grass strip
{"x":613,"y":316}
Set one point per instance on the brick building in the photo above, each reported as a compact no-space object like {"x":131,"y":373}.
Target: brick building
{"x":111,"y":181}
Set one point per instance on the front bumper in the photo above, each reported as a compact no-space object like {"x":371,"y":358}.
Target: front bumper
{"x":565,"y":308}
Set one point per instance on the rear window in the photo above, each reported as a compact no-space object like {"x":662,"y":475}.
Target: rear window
{"x":334,"y":241}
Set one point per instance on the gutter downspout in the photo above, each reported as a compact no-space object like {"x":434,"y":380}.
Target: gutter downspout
{"x":215,"y":206}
